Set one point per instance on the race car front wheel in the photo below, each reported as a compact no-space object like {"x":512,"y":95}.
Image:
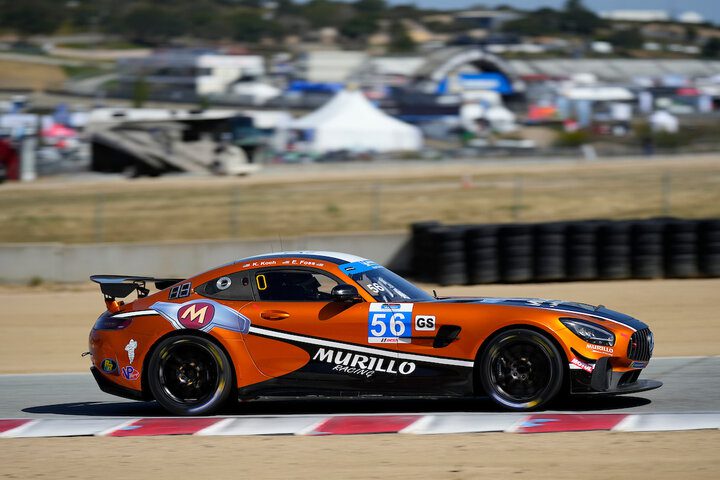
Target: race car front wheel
{"x":521,"y":370}
{"x":190,"y":375}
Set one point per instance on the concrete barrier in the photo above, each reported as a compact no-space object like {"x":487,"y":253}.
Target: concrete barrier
{"x":57,"y":262}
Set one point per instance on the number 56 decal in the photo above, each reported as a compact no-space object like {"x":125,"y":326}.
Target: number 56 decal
{"x":390,"y":323}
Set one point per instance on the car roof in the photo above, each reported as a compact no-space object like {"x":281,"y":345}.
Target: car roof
{"x":338,"y":258}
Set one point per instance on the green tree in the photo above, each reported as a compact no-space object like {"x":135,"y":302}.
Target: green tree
{"x":140,"y":92}
{"x":152,"y":24}
{"x":400,"y":41}
{"x":539,"y":22}
{"x":249,"y":26}
{"x":287,"y":7}
{"x":359,"y":26}
{"x":370,"y":7}
{"x":711,"y":49}
{"x":206,"y":20}
{"x":322,"y":13}
{"x":578,"y":19}
{"x":628,"y":38}
{"x":31,"y":17}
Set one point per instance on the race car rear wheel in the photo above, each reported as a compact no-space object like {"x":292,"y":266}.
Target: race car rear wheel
{"x":521,"y":370}
{"x":190,"y":375}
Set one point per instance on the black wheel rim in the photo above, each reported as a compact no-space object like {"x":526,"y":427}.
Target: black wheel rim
{"x":189,"y":373}
{"x":520,"y":371}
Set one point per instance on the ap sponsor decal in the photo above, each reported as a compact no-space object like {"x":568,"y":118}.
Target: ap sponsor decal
{"x":202,"y":315}
{"x":130,"y":373}
{"x":390,"y":323}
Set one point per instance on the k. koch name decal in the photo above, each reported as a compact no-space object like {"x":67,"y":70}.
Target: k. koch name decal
{"x":362,"y":365}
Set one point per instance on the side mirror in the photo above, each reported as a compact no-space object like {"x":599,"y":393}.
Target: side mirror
{"x":345,"y":293}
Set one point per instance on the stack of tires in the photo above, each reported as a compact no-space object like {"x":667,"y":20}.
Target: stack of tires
{"x":613,"y":251}
{"x":422,"y":250}
{"x":560,"y":251}
{"x":709,"y":248}
{"x":647,"y":246}
{"x":448,"y":255}
{"x":549,"y":255}
{"x":681,"y":249}
{"x":516,"y":253}
{"x":481,"y":251}
{"x":581,"y":255}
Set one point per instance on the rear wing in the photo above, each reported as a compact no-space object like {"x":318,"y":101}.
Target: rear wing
{"x":120,"y":286}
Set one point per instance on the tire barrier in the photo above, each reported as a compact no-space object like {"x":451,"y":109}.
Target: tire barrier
{"x":549,"y":255}
{"x":614,"y":254}
{"x":709,"y":248}
{"x":581,"y":251}
{"x":481,"y":252}
{"x":515,"y":249}
{"x":565,"y":251}
{"x":421,"y":250}
{"x":447,"y":255}
{"x":681,"y":249}
{"x":646,"y":244}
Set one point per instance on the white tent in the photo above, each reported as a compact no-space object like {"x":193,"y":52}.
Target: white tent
{"x":350,"y":122}
{"x":598,"y":94}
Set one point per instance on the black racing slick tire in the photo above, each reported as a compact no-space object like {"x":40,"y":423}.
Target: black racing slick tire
{"x":521,"y":370}
{"x":190,"y":375}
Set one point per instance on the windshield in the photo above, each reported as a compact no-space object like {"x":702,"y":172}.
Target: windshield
{"x":382,"y":284}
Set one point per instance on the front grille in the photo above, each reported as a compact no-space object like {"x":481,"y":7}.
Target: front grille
{"x":641,"y":345}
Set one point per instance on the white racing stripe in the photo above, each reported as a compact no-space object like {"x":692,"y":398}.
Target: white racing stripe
{"x":357,"y":348}
{"x":139,"y":313}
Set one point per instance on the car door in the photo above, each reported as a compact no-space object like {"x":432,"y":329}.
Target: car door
{"x":432,"y":332}
{"x":308,"y":341}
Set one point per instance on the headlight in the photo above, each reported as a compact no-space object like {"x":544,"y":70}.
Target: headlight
{"x":589,"y":332}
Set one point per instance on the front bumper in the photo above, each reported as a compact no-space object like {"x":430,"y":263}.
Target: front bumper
{"x":607,"y":381}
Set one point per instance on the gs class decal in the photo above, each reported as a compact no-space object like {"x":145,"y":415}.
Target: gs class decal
{"x":202,"y":315}
{"x":425,"y":323}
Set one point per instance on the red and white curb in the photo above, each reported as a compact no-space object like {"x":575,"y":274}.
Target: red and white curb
{"x":417,"y":424}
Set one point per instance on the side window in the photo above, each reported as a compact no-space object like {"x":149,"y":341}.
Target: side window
{"x":236,"y":286}
{"x":293,"y":285}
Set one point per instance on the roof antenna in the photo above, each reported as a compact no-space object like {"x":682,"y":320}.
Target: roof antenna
{"x":282,"y":249}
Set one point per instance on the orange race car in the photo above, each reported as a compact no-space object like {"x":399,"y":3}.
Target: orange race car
{"x":323,"y":323}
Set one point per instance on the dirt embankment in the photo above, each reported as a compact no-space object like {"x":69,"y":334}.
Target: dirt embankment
{"x":589,"y":455}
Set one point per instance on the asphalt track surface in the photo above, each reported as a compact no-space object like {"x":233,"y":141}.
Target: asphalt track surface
{"x":691,"y":384}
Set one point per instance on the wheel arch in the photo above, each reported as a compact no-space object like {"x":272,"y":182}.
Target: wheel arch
{"x":146,"y":393}
{"x":477,"y":384}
